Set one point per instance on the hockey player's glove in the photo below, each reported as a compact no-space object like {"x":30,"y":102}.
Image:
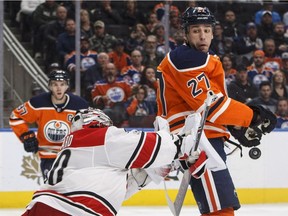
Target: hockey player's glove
{"x":29,"y":141}
{"x":264,"y":121}
{"x":196,"y":163}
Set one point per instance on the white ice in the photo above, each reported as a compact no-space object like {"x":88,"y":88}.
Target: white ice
{"x":245,"y":210}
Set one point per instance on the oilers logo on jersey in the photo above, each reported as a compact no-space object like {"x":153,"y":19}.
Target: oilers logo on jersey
{"x":116,"y":94}
{"x":55,"y":131}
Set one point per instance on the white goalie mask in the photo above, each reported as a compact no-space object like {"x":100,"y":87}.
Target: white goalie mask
{"x":90,"y":118}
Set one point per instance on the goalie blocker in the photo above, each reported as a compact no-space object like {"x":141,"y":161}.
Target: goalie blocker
{"x":264,"y":121}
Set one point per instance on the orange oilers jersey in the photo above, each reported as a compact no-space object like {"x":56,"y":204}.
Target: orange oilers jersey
{"x":120,"y":61}
{"x":185,"y":76}
{"x":118,"y":91}
{"x":53,"y":123}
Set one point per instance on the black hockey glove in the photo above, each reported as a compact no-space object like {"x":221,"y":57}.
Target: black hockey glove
{"x":246,"y":136}
{"x":264,"y":121}
{"x":30,"y":141}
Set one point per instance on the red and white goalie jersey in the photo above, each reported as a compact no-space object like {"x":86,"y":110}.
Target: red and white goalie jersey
{"x":89,"y":175}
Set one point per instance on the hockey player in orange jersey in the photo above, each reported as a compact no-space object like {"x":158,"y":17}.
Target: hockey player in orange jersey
{"x":52,"y":112}
{"x":185,"y":76}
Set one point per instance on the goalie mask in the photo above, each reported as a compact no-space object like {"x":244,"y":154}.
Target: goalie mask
{"x":90,"y":118}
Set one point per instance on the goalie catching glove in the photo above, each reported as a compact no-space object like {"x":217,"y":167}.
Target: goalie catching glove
{"x":29,"y":141}
{"x":264,"y":121}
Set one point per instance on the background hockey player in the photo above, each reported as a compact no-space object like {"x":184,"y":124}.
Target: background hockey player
{"x":90,"y":173}
{"x":185,"y":76}
{"x":52,"y":112}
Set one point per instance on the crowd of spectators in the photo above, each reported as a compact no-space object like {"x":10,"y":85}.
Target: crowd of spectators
{"x":122,"y":43}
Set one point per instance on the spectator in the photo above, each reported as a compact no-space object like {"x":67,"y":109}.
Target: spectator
{"x":150,"y":55}
{"x":106,"y":13}
{"x":118,"y":56}
{"x":52,"y":112}
{"x":101,"y":41}
{"x":179,"y":37}
{"x":131,"y":16}
{"x":137,"y":38}
{"x":159,"y":9}
{"x":148,"y":79}
{"x":71,"y":7}
{"x":110,"y":94}
{"x":25,"y":17}
{"x":264,"y":99}
{"x":242,"y":89}
{"x":265,"y":28}
{"x":132,"y":73}
{"x":152,"y":22}
{"x":218,"y":43}
{"x":282,"y":113}
{"x":281,"y":42}
{"x":86,"y":26}
{"x":279,"y":88}
{"x":52,"y":31}
{"x":267,"y":7}
{"x":159,"y":32}
{"x":228,"y":66}
{"x":232,"y":28}
{"x":272,"y":59}
{"x":246,"y":45}
{"x":66,"y":41}
{"x":95,"y":73}
{"x":88,"y":58}
{"x":43,"y":14}
{"x":174,"y":23}
{"x":284,"y":68}
{"x":137,"y":108}
{"x":257,"y":71}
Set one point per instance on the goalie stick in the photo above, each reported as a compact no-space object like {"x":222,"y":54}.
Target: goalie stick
{"x":176,"y":206}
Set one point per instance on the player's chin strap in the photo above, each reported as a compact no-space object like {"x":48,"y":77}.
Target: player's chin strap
{"x":237,"y":146}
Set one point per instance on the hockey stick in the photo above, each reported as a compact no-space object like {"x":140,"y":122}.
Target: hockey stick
{"x":178,"y":203}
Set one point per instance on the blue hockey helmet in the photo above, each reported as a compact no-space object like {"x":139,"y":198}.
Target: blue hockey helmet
{"x":59,"y":75}
{"x":197,"y":15}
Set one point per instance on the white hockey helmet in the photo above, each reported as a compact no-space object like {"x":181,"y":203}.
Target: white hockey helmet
{"x":90,"y":118}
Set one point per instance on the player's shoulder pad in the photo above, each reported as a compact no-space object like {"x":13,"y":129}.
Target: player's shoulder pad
{"x":41,"y":100}
{"x":76,"y":102}
{"x":184,"y":57}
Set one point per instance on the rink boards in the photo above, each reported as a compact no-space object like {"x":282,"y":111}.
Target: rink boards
{"x":264,"y":180}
